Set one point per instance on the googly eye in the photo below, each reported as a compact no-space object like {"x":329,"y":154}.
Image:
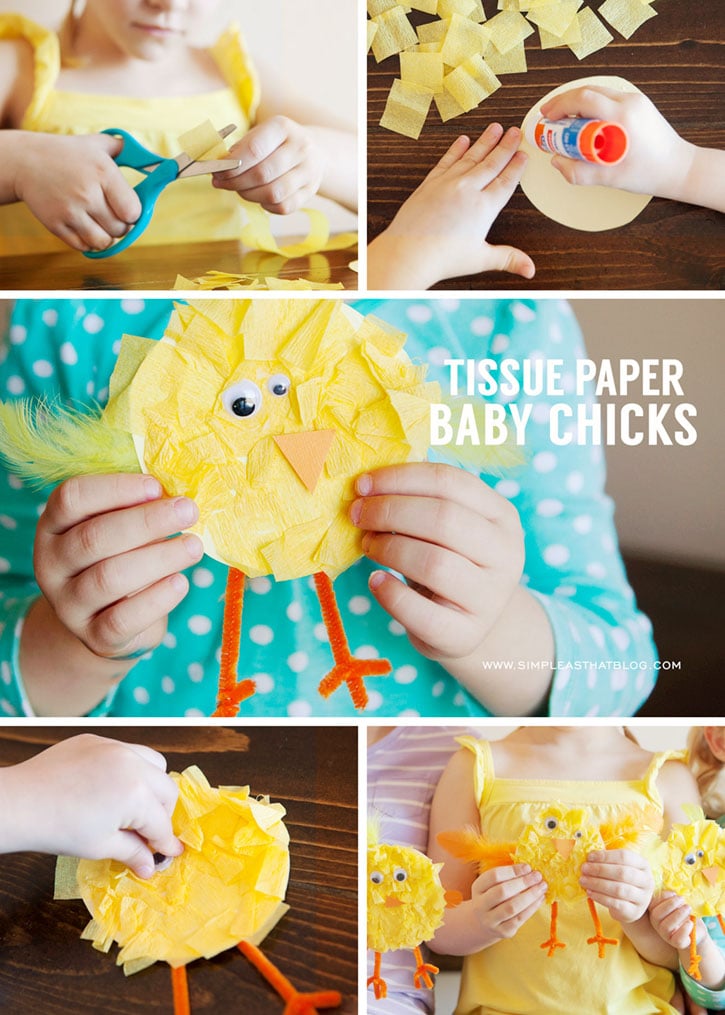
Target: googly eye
{"x":376,"y":877}
{"x":690,"y":859}
{"x":551,"y":824}
{"x":279,"y":385}
{"x":578,"y":834}
{"x":162,"y":862}
{"x":400,"y":875}
{"x":700,"y":853}
{"x":242,"y":399}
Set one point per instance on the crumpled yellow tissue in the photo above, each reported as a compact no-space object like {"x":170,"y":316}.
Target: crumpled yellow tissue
{"x":227,"y":886}
{"x":205,"y":404}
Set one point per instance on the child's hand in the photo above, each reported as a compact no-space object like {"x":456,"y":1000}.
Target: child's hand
{"x":504,"y":898}
{"x":440,"y":231}
{"x":280,"y":168}
{"x":621,"y":881}
{"x":105,"y":563}
{"x":670,"y":916}
{"x":73,"y":186}
{"x":458,"y":543}
{"x":95,"y":798}
{"x":658,"y":159}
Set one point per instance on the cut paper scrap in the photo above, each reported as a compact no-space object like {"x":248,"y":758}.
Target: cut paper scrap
{"x":556,"y":844}
{"x":474,"y":50}
{"x":204,"y":141}
{"x":691,"y":862}
{"x":227,"y":280}
{"x":405,"y":905}
{"x":226,"y":890}
{"x":590,"y":209}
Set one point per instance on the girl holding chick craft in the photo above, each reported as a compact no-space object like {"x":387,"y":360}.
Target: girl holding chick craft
{"x":135,"y":65}
{"x":669,"y":913}
{"x":574,"y":591}
{"x":505,"y":927}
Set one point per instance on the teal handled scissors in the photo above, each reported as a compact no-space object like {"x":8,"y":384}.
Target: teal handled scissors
{"x":158,"y":173}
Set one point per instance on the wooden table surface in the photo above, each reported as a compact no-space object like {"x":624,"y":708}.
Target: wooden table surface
{"x":46,"y":968}
{"x":676,"y":58}
{"x":156,"y":267}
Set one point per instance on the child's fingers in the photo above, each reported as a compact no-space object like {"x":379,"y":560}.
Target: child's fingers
{"x":121,"y":631}
{"x":445,"y":631}
{"x":87,"y":232}
{"x":256,"y":146}
{"x":117,"y":532}
{"x":496,"y":151}
{"x":130,"y":849}
{"x":265,"y":173}
{"x":529,"y":903}
{"x":154,"y":758}
{"x":591,"y":102}
{"x":435,"y":520}
{"x":510,"y":259}
{"x":121,"y":199}
{"x":434,"y":479}
{"x":505,"y":183}
{"x":455,"y":152}
{"x":114,"y":578}
{"x":483,"y":146}
{"x":581,"y":174}
{"x":282,"y":196}
{"x":447,"y":575}
{"x":82,"y":497}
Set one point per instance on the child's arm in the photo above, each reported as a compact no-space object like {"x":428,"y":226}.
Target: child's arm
{"x":283,"y":164}
{"x":91,"y":797}
{"x":497,"y":902}
{"x":658,"y":161}
{"x":440,"y":230}
{"x":109,"y":576}
{"x":670,"y":918}
{"x":460,"y":545}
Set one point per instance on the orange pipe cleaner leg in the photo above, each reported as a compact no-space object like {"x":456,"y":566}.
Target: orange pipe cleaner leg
{"x":599,"y":939}
{"x":231,"y":691}
{"x":181,"y":991}
{"x":423,"y":971}
{"x":721,"y":922}
{"x":694,"y":968}
{"x":346,"y":668}
{"x":553,"y":943}
{"x":380,"y":987}
{"x":297,"y":1004}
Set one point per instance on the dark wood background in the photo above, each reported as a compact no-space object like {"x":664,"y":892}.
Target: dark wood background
{"x":45,"y":969}
{"x":676,"y":58}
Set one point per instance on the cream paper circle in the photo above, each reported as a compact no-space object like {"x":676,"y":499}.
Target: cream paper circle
{"x":591,"y":209}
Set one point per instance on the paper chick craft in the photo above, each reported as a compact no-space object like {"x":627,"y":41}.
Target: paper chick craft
{"x":405,"y":901}
{"x":556,"y":845}
{"x":226,"y":890}
{"x":691,"y":863}
{"x":264,"y":412}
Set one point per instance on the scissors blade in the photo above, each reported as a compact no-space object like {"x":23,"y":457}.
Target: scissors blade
{"x":209,"y":166}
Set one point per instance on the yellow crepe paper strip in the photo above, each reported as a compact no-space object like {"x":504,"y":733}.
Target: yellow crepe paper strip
{"x":460,"y":36}
{"x":227,"y":886}
{"x":424,"y":69}
{"x":394,"y":34}
{"x":346,"y":373}
{"x":228,"y":280}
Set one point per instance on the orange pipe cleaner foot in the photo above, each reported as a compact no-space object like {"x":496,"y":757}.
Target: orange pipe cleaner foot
{"x":347,"y":669}
{"x":422,"y":973}
{"x":599,"y":938}
{"x":693,"y":969}
{"x":231,"y":691}
{"x":380,"y":987}
{"x":553,"y":943}
{"x":297,"y":1003}
{"x":180,"y":990}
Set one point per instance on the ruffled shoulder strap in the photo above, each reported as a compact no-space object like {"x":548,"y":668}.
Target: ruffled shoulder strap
{"x":653,"y":770}
{"x":233,"y":60}
{"x":483,"y":774}
{"x":46,"y":48}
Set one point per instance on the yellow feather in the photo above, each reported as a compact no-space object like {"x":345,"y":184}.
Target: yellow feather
{"x":46,"y":442}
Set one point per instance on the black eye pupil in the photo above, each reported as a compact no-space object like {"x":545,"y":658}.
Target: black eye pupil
{"x":243,"y":406}
{"x":279,"y":389}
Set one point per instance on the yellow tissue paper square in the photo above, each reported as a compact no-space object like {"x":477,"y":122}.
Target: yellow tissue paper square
{"x":477,"y":14}
{"x":512,"y":62}
{"x":471,"y":82}
{"x":626,"y":15}
{"x":394,"y":34}
{"x":427,"y":6}
{"x":433,"y":31}
{"x":372,"y":27}
{"x":448,"y":108}
{"x":594,"y":35}
{"x":406,"y":109}
{"x":464,"y":38}
{"x":376,"y":7}
{"x":555,"y":18}
{"x":508,"y":29}
{"x":464,"y":7}
{"x":571,"y":37}
{"x":424,"y":69}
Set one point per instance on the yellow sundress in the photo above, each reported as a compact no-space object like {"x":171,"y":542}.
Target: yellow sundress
{"x":190,"y":209}
{"x":516,"y":976}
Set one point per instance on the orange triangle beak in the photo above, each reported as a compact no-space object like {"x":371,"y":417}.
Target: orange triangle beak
{"x":391,"y":902}
{"x":306,"y":453}
{"x":564,"y":847}
{"x":711,"y":874}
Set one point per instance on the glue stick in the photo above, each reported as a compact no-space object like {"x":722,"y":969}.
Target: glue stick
{"x":589,"y":140}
